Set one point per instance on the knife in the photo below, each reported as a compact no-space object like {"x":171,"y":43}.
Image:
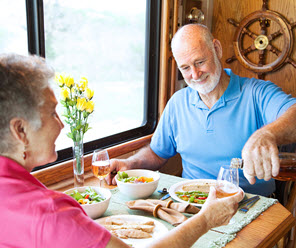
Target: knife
{"x":165,"y":197}
{"x":256,"y":197}
{"x":248,"y":205}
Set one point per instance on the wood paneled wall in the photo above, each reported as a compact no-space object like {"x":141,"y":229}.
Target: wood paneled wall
{"x":224,"y":31}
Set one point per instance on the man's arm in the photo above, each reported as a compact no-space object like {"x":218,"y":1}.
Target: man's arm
{"x":260,"y":153}
{"x":145,"y":158}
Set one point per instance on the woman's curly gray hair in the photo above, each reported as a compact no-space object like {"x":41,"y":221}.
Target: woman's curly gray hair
{"x":22,"y":82}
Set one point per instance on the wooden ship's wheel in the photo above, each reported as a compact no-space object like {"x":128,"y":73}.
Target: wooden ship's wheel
{"x":252,"y":52}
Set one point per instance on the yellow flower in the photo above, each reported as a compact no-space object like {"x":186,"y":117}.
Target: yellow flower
{"x":90,"y":106}
{"x":69,"y":80}
{"x":76,"y":98}
{"x":64,"y":94}
{"x":89,"y":93}
{"x":81,"y":104}
{"x":59,"y":78}
{"x":84,"y":80}
{"x":82,"y":83}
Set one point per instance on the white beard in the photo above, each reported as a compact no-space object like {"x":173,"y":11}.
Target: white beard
{"x":212,"y":81}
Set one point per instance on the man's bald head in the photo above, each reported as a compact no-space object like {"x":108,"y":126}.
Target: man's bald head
{"x":190,"y":34}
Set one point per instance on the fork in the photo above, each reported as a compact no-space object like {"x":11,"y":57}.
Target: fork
{"x":248,"y":205}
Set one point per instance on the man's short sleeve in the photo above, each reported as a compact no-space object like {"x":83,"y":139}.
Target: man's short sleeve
{"x":271,"y":100}
{"x":163,"y":143}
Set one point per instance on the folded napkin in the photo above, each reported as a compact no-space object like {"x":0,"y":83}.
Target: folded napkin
{"x":168,"y":211}
{"x":180,"y":207}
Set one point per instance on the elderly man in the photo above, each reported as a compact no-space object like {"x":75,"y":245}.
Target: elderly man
{"x":218,"y":117}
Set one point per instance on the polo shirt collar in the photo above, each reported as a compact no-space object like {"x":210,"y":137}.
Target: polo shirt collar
{"x":232,"y":92}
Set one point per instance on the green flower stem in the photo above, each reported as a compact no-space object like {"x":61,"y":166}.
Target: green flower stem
{"x":78,"y":154}
{"x":85,"y":124}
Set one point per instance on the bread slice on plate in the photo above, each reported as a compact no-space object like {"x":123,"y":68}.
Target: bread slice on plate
{"x":200,"y":186}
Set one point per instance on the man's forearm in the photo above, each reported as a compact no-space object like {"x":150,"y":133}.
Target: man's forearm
{"x":147,"y":159}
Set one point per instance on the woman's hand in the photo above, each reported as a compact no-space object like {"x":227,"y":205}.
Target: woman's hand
{"x":218,"y":211}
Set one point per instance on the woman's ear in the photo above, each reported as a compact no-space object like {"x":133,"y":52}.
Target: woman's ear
{"x":18,"y":128}
{"x":218,"y":48}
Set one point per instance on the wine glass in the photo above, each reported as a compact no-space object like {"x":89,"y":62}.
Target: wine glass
{"x":100,"y":164}
{"x":227,"y":183}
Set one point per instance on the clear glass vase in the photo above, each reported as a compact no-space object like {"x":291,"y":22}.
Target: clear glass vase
{"x":78,"y":163}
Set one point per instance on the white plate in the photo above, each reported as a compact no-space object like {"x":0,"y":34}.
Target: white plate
{"x":159,"y":229}
{"x":178,"y":187}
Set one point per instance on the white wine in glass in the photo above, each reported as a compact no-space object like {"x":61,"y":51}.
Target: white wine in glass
{"x":227,"y":183}
{"x":100,"y":164}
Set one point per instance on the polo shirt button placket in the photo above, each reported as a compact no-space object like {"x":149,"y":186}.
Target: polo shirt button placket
{"x":209,"y":123}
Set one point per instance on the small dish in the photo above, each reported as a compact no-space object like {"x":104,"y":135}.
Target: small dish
{"x":94,"y":210}
{"x":138,"y":190}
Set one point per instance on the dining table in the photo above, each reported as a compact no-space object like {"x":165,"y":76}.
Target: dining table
{"x":263,"y":230}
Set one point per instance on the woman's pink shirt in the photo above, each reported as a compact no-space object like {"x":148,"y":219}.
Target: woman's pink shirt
{"x":33,"y":216}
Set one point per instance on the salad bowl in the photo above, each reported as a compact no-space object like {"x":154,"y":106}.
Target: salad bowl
{"x":137,"y":183}
{"x":96,"y":203}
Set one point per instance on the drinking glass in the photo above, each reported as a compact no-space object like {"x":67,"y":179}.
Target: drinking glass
{"x":227,"y":183}
{"x":100,"y":164}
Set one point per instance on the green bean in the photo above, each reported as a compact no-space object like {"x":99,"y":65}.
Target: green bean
{"x":191,"y":199}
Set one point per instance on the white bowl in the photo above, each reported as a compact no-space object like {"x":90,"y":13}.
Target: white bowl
{"x":94,"y":210}
{"x":138,"y":190}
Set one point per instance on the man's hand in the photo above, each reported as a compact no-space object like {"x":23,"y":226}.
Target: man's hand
{"x":116,"y":165}
{"x":218,"y":211}
{"x":145,"y":158}
{"x":260,"y":155}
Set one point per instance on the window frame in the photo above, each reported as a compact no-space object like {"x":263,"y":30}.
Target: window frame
{"x":36,"y":45}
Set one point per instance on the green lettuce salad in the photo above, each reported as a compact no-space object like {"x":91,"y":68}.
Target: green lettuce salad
{"x":89,"y":196}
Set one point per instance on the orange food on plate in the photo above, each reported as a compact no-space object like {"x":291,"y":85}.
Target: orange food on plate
{"x":144,"y":179}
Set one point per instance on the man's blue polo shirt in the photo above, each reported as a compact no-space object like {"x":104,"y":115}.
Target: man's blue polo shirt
{"x":208,"y":138}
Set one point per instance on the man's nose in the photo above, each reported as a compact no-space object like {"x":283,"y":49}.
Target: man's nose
{"x":196,"y":73}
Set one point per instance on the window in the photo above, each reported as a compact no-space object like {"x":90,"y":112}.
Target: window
{"x":115,"y":45}
{"x":13,"y":28}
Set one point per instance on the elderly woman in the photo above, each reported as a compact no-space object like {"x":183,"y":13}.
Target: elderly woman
{"x":32,"y":215}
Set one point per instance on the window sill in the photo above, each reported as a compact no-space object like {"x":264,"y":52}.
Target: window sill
{"x":61,"y":175}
